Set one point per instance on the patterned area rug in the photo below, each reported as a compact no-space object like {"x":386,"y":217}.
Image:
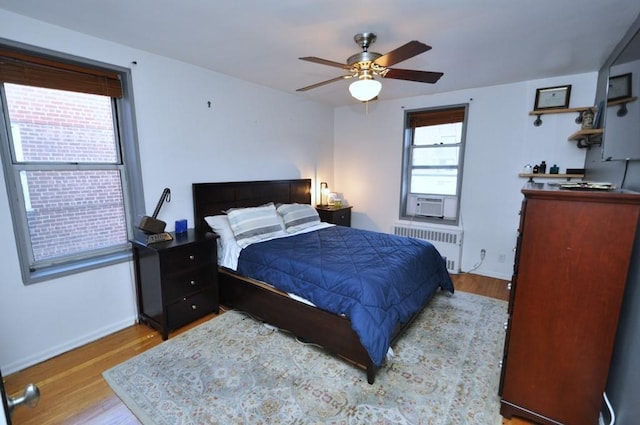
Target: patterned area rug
{"x":234,"y":370}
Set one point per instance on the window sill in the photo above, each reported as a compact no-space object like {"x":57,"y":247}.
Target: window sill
{"x":80,"y":266}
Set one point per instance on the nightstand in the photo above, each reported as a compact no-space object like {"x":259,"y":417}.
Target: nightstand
{"x":336,"y":215}
{"x":177,"y":280}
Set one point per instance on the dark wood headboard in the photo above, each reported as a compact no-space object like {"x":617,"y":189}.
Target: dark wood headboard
{"x":214,"y":198}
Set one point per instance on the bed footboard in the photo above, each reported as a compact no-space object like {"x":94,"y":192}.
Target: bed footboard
{"x":331,"y":331}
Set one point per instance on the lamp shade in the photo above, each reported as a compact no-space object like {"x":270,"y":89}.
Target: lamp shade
{"x":365,"y":89}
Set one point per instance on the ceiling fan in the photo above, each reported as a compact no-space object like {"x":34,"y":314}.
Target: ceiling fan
{"x":365,"y":65}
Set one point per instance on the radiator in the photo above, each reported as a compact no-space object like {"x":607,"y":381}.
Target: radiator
{"x":447,"y":241}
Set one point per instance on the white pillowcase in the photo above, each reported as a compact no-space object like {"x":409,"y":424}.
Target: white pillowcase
{"x":254,"y":224}
{"x":220,"y":225}
{"x":298,"y":216}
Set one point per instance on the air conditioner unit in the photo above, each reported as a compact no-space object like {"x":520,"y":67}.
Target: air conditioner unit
{"x":432,"y":206}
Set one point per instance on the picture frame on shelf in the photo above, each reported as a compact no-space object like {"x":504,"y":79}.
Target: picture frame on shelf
{"x":619,"y":87}
{"x":552,"y":97}
{"x":597,"y":120}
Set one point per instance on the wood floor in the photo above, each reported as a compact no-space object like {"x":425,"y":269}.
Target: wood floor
{"x":73,"y":391}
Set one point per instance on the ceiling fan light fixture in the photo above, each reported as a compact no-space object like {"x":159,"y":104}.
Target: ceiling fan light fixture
{"x":364,"y":65}
{"x":365,"y":89}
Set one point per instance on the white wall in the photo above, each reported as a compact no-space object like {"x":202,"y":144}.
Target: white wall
{"x":249,"y":133}
{"x":501,"y":139}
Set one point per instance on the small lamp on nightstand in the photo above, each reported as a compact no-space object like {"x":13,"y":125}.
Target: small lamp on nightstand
{"x":324,"y":193}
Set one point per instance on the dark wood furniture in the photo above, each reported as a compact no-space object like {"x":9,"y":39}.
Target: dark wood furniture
{"x":176,"y":281}
{"x":336,"y":215}
{"x":333,"y":332}
{"x":571,"y":265}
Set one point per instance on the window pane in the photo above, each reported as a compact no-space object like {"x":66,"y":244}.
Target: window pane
{"x":441,"y":134}
{"x":69,"y":212}
{"x":434,"y":181}
{"x":60,"y":126}
{"x":435,"y":156}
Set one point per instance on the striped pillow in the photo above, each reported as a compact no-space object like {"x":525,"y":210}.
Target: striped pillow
{"x":298,"y":216}
{"x":254,"y":224}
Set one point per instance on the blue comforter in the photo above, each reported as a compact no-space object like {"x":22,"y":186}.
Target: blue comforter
{"x":376,"y":279}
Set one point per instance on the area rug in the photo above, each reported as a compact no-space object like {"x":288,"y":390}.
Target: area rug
{"x":235,"y":370}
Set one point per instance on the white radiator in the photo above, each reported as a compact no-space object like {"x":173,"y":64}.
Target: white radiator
{"x":447,"y":241}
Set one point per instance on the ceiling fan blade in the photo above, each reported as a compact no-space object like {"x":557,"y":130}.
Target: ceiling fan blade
{"x":333,"y":80}
{"x":402,"y":53}
{"x":324,"y":62}
{"x":413,"y":75}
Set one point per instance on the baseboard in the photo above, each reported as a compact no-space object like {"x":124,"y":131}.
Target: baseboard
{"x":494,"y":275}
{"x":36,"y":358}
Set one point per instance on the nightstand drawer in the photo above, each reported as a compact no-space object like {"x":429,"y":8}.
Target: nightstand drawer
{"x":179,"y":285}
{"x":187,"y":256}
{"x":336,"y":215}
{"x":342,"y":218}
{"x":191,"y":308}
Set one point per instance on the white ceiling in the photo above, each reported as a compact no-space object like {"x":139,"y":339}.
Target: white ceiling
{"x":476,"y":43}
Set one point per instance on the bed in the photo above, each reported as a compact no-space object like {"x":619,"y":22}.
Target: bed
{"x":292,"y":282}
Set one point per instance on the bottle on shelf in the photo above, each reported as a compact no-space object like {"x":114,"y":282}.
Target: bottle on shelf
{"x":555,"y":169}
{"x":542,"y":168}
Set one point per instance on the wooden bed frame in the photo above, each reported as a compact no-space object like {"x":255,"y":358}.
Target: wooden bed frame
{"x":333,"y":332}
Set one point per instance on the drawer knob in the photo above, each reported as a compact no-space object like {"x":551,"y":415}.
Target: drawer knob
{"x":192,"y":257}
{"x":194,"y":307}
{"x":193,"y":282}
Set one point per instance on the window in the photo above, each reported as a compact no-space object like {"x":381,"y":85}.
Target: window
{"x":70,"y":161}
{"x":432,"y":164}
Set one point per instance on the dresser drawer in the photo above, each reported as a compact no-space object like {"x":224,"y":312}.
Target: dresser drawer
{"x":180,"y":285}
{"x":187,"y":256}
{"x":192,"y":308}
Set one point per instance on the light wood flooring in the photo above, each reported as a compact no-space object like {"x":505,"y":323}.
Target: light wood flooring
{"x":73,"y":391}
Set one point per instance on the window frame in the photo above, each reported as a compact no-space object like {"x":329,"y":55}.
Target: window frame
{"x":407,"y":167}
{"x":130,"y":172}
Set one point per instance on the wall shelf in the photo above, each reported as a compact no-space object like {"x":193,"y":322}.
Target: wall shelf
{"x":551,"y":176}
{"x":587,"y":138}
{"x":585,"y":134}
{"x":559,"y":110}
{"x":621,"y":101}
{"x":539,"y":112}
{"x":622,"y":110}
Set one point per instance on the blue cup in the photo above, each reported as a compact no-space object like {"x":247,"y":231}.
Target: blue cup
{"x":181,"y":226}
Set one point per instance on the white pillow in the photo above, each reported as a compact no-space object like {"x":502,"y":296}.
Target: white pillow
{"x":298,"y":216}
{"x":220,"y":225}
{"x":254,"y":224}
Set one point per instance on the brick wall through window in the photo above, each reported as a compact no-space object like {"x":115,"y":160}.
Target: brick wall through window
{"x":68,"y":210}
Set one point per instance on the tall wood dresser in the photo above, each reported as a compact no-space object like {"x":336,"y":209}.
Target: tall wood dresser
{"x":572,"y":258}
